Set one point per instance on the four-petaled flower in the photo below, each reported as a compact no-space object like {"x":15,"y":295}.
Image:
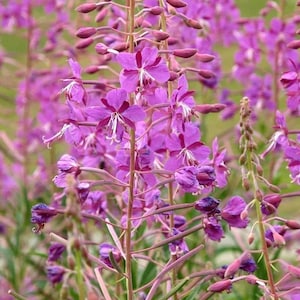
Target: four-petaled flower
{"x":142,"y":68}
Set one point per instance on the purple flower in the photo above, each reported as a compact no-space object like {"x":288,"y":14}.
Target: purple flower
{"x":41,"y":213}
{"x":248,"y":265}
{"x":194,"y":179}
{"x":55,"y":274}
{"x":55,"y":251}
{"x":185,"y":148}
{"x":275,"y":235}
{"x":141,"y":68}
{"x":231,"y":213}
{"x":207,"y":205}
{"x":213,"y":229}
{"x":116,"y":114}
{"x":179,"y":246}
{"x":270,"y":203}
{"x":105,"y":250}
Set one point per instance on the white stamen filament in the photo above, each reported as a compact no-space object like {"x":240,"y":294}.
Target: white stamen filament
{"x":188,"y":156}
{"x":113,"y":125}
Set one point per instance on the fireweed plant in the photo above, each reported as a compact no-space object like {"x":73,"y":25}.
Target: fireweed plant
{"x":176,"y":165}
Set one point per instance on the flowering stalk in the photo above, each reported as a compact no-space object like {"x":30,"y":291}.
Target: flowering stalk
{"x":247,"y":159}
{"x":128,"y":266}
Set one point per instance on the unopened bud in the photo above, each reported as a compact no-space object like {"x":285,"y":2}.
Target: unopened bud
{"x":244,"y":214}
{"x":86,"y":7}
{"x":232,"y":268}
{"x":172,"y":41}
{"x":84,"y":43}
{"x":101,"y":15}
{"x":278,"y":238}
{"x":294,"y":44}
{"x":176,"y":3}
{"x":246,"y":184}
{"x":173,"y":76}
{"x":292,"y":224}
{"x":209,"y":108}
{"x":259,"y":195}
{"x":242,"y":159}
{"x":250,"y":238}
{"x":294,"y":270}
{"x":193,"y":23}
{"x":85,"y":32}
{"x":71,"y":262}
{"x":207,"y":74}
{"x":156,"y":10}
{"x":273,"y":188}
{"x":101,"y":48}
{"x":120,"y":47}
{"x":184,"y":53}
{"x":251,"y":279}
{"x":160,"y":35}
{"x":259,"y":170}
{"x":203,"y":57}
{"x":220,"y":286}
{"x":91,"y":69}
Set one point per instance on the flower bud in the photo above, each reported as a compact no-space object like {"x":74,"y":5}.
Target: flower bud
{"x":91,"y":69}
{"x":176,"y":3}
{"x":156,"y":10}
{"x":55,"y":251}
{"x":85,"y":32}
{"x":184,"y":53}
{"x":101,"y":15}
{"x":232,"y":268}
{"x":160,"y":35}
{"x":292,"y":224}
{"x":203,"y":57}
{"x":220,"y":286}
{"x":250,"y":238}
{"x":207,"y":74}
{"x":101,"y":48}
{"x":251,"y":279}
{"x":173,"y":76}
{"x":193,"y":23}
{"x":120,"y":47}
{"x":207,"y":205}
{"x":84,"y":43}
{"x":86,"y":7}
{"x":209,"y":108}
{"x":55,"y":274}
{"x":278,"y":238}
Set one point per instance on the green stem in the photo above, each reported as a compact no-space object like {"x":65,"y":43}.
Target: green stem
{"x":128,"y":264}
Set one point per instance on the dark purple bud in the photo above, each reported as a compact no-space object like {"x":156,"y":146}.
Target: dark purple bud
{"x":213,"y":229}
{"x":86,"y":7}
{"x":220,"y":286}
{"x":41,"y":213}
{"x":186,"y":178}
{"x":156,"y":10}
{"x":205,"y":175}
{"x":179,"y":221}
{"x":270,"y":203}
{"x":85,"y":32}
{"x":105,"y":250}
{"x":176,"y":3}
{"x":84,"y":43}
{"x":55,"y":274}
{"x":248,"y":265}
{"x":55,"y":251}
{"x":232,"y":212}
{"x":207,"y":205}
{"x":184,"y":53}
